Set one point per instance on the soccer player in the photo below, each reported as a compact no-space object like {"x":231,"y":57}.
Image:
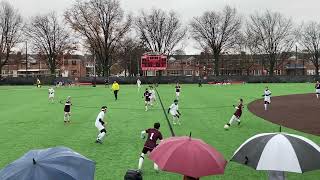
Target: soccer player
{"x":153,"y":136}
{"x":67,"y":110}
{"x":51,"y":94}
{"x":178,"y":89}
{"x":115,"y":88}
{"x":106,"y":82}
{"x":38,"y":83}
{"x":174,"y":111}
{"x":100,"y":124}
{"x":236,"y":116}
{"x":138,"y":84}
{"x":317,"y":86}
{"x":147,"y":96}
{"x":267,"y":98}
{"x":152,"y":95}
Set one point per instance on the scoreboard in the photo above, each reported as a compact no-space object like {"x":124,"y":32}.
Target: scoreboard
{"x":153,"y":61}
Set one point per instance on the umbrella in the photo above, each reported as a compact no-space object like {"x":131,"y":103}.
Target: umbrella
{"x":188,"y":156}
{"x":50,"y":164}
{"x":279,"y":152}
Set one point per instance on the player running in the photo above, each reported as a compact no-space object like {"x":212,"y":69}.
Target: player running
{"x":236,"y":116}
{"x":67,"y":110}
{"x":138,"y":84}
{"x":178,"y":90}
{"x":51,"y":94}
{"x":317,"y":86}
{"x":147,"y":96}
{"x":267,"y":98}
{"x":101,"y":125}
{"x":174,"y":111}
{"x":152,"y":96}
{"x":153,"y":136}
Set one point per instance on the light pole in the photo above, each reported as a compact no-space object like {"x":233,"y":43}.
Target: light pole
{"x":26,"y":59}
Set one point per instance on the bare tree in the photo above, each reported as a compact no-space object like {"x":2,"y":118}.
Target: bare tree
{"x":10,"y":31}
{"x":272,"y":34}
{"x":160,"y":31}
{"x":49,"y":37}
{"x":129,"y":54}
{"x":217,"y":31}
{"x":308,"y":36}
{"x":101,"y":23}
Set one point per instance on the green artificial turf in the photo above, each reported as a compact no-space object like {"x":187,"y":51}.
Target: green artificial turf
{"x":28,"y":121}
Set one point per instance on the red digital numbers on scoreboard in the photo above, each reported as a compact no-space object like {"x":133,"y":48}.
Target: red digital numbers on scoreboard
{"x":153,"y":62}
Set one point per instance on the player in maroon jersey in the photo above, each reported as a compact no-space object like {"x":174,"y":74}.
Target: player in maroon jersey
{"x":153,"y":136}
{"x":317,"y":86}
{"x":236,"y":116}
{"x":147,"y":99}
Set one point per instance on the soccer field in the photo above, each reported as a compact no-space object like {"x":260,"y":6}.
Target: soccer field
{"x":28,"y":121}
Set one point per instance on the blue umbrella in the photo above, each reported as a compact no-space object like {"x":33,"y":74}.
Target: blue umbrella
{"x":58,"y":163}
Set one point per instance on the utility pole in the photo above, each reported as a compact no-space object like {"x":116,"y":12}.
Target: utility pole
{"x":26,"y":59}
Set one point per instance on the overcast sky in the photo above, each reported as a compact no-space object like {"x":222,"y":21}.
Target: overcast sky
{"x":299,"y":10}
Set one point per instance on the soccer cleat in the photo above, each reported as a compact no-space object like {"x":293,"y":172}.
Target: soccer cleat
{"x":239,"y":123}
{"x":99,"y":141}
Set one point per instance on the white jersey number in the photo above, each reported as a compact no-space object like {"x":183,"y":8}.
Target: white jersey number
{"x":151,"y":136}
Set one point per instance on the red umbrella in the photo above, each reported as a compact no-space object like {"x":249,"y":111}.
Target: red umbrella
{"x":187,"y":156}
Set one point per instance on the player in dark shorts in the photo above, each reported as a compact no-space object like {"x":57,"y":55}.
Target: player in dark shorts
{"x":237,"y":115}
{"x":147,"y":99}
{"x":317,"y":86}
{"x":153,"y":136}
{"x":67,"y":110}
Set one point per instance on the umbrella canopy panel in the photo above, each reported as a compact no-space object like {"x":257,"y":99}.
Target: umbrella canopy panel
{"x":279,"y":152}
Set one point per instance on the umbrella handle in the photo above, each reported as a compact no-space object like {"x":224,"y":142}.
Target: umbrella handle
{"x":34,"y":161}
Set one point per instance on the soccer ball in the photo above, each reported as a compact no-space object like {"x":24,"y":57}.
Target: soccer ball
{"x":226,"y":127}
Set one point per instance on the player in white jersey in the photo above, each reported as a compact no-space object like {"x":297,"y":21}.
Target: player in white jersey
{"x":101,"y":125}
{"x":178,"y":90}
{"x":153,"y":96}
{"x":51,"y":94}
{"x":267,"y":98}
{"x":174,"y":111}
{"x":138,"y":84}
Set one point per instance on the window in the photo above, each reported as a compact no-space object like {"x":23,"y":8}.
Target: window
{"x":66,"y":62}
{"x":74,"y":62}
{"x":311,"y":72}
{"x":188,"y":72}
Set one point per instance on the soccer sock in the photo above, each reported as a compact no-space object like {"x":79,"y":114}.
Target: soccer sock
{"x":101,"y":135}
{"x":231,"y":121}
{"x":265,"y":106}
{"x":141,"y":161}
{"x":317,"y":96}
{"x":155,"y":167}
{"x":65,"y":118}
{"x":146,"y":107}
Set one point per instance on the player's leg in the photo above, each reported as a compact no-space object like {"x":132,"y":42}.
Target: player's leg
{"x":141,"y":159}
{"x":146,"y":105}
{"x":232,"y":119}
{"x":265,"y":105}
{"x":65,"y":118}
{"x":69,"y":115}
{"x":155,"y":167}
{"x":101,"y":135}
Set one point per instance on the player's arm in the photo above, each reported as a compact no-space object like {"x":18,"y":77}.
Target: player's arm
{"x":169,"y":110}
{"x":101,"y":121}
{"x":236,"y":107}
{"x":178,"y":112}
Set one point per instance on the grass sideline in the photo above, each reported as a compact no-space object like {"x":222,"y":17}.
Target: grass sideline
{"x":28,"y":121}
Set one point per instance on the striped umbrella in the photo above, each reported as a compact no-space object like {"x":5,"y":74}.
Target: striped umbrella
{"x":279,"y":152}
